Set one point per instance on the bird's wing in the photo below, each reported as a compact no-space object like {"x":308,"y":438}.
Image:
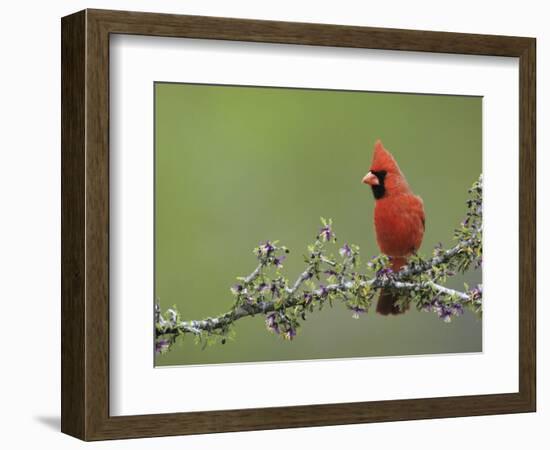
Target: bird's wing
{"x":418,"y":208}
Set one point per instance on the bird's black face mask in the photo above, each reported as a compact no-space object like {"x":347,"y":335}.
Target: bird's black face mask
{"x":379,"y":190}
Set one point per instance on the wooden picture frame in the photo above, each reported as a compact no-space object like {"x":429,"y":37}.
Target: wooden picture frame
{"x":85,"y":224}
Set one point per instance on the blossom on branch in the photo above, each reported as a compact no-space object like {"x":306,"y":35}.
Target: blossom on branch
{"x":327,"y":279}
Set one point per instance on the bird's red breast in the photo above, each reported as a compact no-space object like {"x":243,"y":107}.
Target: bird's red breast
{"x":399,"y":224}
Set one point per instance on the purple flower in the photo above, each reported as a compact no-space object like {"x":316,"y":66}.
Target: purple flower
{"x":308,"y":297}
{"x":477,"y":292}
{"x":291,"y":332}
{"x":356,"y":311}
{"x":278,"y":261}
{"x":383,"y":272}
{"x":345,"y":251}
{"x":162,"y":346}
{"x":444,"y":312}
{"x":262,"y":287}
{"x":271,"y":322}
{"x":266,"y":249}
{"x":458,"y":309}
{"x":330,"y":272}
{"x":323,"y":291}
{"x":326,"y":233}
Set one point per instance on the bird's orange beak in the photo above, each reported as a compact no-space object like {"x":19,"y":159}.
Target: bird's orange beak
{"x":371,"y":179}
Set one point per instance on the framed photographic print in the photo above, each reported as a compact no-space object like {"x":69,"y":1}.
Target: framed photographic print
{"x":272,"y":224}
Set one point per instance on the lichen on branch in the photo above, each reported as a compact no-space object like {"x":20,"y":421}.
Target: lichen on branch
{"x":340,"y":276}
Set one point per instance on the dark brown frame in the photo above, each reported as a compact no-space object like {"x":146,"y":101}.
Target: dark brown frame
{"x":85,"y":224}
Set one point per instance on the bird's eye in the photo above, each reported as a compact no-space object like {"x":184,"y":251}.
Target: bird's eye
{"x":380,"y":174}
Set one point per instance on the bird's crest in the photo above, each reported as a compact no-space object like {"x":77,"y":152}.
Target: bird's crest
{"x":383,"y":159}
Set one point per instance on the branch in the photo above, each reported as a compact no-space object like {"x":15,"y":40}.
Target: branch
{"x":265,"y":291}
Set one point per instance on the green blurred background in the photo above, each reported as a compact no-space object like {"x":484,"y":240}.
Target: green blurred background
{"x":239,"y":165}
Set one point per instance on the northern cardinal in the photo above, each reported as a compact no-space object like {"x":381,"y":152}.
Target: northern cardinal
{"x":399,"y":219}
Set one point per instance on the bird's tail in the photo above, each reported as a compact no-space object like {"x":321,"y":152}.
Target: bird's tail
{"x":388,"y":299}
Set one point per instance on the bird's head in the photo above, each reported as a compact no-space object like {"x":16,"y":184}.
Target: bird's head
{"x":384,"y":176}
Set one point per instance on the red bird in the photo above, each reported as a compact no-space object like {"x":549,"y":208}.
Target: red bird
{"x":399,"y":219}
